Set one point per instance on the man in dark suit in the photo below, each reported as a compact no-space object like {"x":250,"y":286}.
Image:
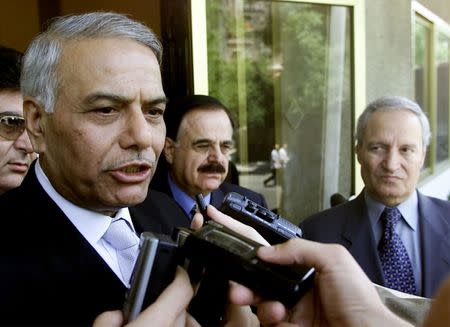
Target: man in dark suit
{"x":398,"y":235}
{"x":93,"y":103}
{"x":196,"y":153}
{"x":50,"y":270}
{"x":16,"y":152}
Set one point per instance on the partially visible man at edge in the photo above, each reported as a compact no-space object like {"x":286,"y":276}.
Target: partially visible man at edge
{"x":391,"y":141}
{"x":16,"y":152}
{"x":93,"y":103}
{"x":196,"y":153}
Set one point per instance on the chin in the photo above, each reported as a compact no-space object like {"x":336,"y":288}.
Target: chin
{"x":130,"y":199}
{"x":213,"y":185}
{"x":392,"y":199}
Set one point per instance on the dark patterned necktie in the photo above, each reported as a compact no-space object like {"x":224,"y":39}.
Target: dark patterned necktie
{"x":193,"y":211}
{"x":395,"y":262}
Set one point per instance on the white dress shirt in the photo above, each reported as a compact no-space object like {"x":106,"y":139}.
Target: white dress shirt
{"x":90,"y":224}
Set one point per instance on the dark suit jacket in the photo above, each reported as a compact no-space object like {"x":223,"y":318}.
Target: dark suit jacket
{"x":49,"y":274}
{"x":160,"y":183}
{"x":349,"y":225}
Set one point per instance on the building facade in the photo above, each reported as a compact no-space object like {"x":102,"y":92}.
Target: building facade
{"x":294,"y":73}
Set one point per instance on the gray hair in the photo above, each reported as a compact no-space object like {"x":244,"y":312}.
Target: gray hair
{"x":39,"y":70}
{"x":393,"y":103}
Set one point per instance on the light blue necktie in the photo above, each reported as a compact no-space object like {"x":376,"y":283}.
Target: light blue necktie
{"x":395,"y":262}
{"x":122,"y":238}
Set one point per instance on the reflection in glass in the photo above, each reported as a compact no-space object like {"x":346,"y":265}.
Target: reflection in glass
{"x":284,"y":69}
{"x":421,"y":72}
{"x":442,"y":74}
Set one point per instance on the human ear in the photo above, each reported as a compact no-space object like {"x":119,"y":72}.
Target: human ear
{"x":424,"y":154}
{"x":358,"y":149}
{"x":169,"y":148}
{"x":35,"y":116}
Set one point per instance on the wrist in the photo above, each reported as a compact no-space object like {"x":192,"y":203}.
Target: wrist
{"x":384,"y":317}
{"x":372,"y":317}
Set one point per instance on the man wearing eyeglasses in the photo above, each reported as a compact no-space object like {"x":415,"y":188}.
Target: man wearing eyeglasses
{"x":16,"y":153}
{"x":197,"y":151}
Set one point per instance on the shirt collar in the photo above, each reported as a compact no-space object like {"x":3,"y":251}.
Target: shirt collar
{"x":182,"y":198}
{"x":90,"y":224}
{"x":408,"y":209}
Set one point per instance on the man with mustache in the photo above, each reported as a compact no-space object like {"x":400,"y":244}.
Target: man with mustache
{"x":93,"y":103}
{"x":398,"y":235}
{"x":198,"y":144}
{"x":16,"y":152}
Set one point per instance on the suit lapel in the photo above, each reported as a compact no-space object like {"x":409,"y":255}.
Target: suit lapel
{"x":358,"y":238}
{"x":435,"y":241}
{"x":164,"y":184}
{"x":62,"y":266}
{"x":217,"y":197}
{"x":73,"y":249}
{"x":158,"y":213}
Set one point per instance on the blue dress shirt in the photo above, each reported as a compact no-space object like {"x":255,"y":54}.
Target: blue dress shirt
{"x":183,"y":199}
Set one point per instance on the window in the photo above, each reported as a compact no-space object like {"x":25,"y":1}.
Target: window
{"x":431,"y":73}
{"x":442,"y":99}
{"x":422,"y":73}
{"x":286,"y":71}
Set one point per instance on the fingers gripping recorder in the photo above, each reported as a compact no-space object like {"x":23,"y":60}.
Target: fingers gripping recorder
{"x":213,"y":290}
{"x":271,"y":226}
{"x":211,"y":248}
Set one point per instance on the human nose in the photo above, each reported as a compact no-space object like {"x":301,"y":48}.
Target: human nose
{"x":214,"y":151}
{"x":392,"y":160}
{"x":23,"y":143}
{"x":137,"y":131}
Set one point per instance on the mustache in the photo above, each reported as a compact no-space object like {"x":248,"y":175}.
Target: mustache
{"x":143,"y":158}
{"x":213,"y":167}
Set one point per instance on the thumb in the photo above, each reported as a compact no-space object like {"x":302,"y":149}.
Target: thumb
{"x":109,"y":319}
{"x":197,"y":221}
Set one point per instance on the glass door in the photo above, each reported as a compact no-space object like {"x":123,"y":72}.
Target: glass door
{"x":286,"y":69}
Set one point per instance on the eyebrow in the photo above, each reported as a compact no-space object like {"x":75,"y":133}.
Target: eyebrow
{"x":117,"y":99}
{"x":201,"y":141}
{"x":210,"y":141}
{"x":10,"y":113}
{"x":411,"y":145}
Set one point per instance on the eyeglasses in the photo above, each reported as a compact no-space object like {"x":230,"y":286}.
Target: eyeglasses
{"x":205,"y":146}
{"x":11,"y":127}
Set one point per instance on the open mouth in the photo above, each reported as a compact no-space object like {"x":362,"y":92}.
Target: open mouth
{"x":133,"y":169}
{"x":132,"y":173}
